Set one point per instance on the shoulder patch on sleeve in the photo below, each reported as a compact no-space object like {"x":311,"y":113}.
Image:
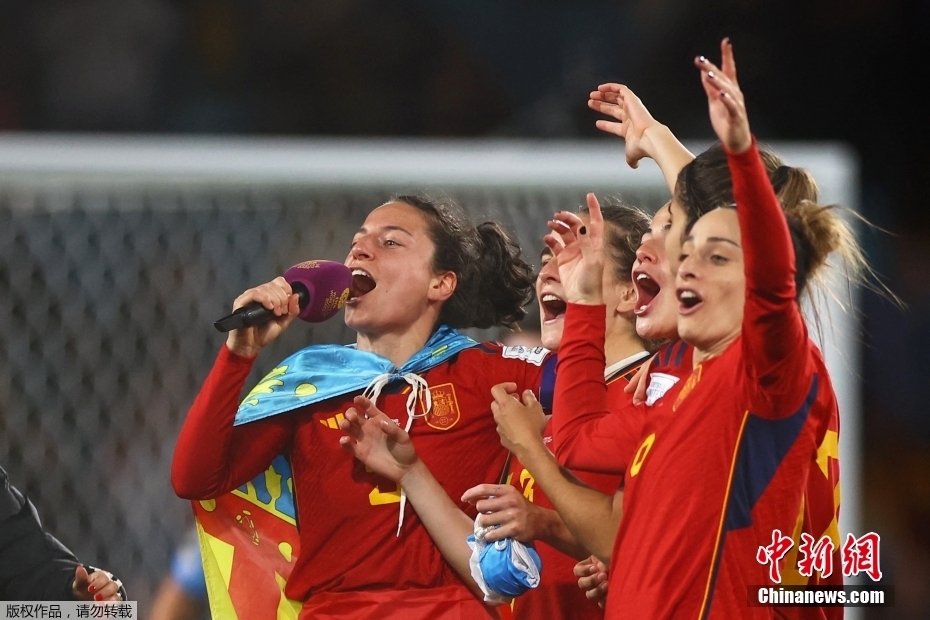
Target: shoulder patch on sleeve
{"x":532,"y":355}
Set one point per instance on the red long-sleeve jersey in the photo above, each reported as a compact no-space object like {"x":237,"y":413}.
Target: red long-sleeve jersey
{"x":725,"y":455}
{"x":595,"y":425}
{"x":352,"y":563}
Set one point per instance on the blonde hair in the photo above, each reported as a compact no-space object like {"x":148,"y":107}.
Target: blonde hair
{"x":819,"y":232}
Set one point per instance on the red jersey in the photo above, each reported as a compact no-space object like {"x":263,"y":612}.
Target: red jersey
{"x":819,"y":516}
{"x":726,"y":452}
{"x":352,"y":563}
{"x":558,"y":595}
{"x":595,"y":425}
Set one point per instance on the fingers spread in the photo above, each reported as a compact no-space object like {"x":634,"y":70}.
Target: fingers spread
{"x":554,"y":243}
{"x":727,"y":60}
{"x":352,"y":428}
{"x":594,"y":210}
{"x":611,"y":127}
{"x":392,"y":430}
{"x":569,"y":219}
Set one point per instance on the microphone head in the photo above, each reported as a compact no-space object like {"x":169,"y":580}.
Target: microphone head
{"x":328,"y":283}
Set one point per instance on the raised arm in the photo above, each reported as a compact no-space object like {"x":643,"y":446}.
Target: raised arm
{"x":213,"y":457}
{"x":774,"y":335}
{"x":588,"y":431}
{"x":644,"y":135}
{"x":584,"y":427}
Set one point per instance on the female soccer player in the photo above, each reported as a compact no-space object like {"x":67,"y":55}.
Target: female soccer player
{"x":501,"y":505}
{"x":698,"y":187}
{"x":419,"y":271}
{"x":725,"y":456}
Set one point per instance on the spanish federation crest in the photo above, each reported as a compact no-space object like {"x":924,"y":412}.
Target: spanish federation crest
{"x":445,"y":411}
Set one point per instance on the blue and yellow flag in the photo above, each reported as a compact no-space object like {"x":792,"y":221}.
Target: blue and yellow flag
{"x":249,"y":541}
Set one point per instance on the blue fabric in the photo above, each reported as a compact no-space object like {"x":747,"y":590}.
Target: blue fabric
{"x":762,"y":449}
{"x":547,"y":385}
{"x":187,"y":570}
{"x":499,"y":571}
{"x":319,"y":372}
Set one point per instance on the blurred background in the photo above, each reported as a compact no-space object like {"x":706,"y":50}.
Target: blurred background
{"x":845,"y":72}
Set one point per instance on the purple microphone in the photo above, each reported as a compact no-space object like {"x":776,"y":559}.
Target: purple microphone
{"x":322,"y":288}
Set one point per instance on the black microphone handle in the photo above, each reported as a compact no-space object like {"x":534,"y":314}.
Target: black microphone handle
{"x":254,"y":313}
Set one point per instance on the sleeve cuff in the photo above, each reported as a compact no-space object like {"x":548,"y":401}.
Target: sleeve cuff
{"x":746,"y":156}
{"x":228,"y":357}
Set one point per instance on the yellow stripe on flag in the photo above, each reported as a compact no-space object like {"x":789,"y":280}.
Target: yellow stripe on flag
{"x":287,"y":609}
{"x":829,"y":447}
{"x":217,"y":568}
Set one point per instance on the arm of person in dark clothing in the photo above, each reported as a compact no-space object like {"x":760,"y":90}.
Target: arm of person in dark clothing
{"x":34,"y":565}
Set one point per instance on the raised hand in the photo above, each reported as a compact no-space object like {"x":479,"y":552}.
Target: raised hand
{"x":96,"y":586}
{"x":276,"y":296}
{"x":375,"y":440}
{"x":633,"y":119}
{"x":504,"y":506}
{"x":519,"y":424}
{"x":725,"y":100}
{"x":579,"y":249}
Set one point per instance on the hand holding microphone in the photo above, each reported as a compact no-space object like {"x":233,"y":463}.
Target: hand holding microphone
{"x":312,"y":290}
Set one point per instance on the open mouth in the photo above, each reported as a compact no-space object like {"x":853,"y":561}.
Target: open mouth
{"x":553,"y":307}
{"x":688,"y":300}
{"x":362,"y":284}
{"x":646,"y":290}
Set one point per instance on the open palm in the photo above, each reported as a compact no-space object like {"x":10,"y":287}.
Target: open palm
{"x":725,"y":101}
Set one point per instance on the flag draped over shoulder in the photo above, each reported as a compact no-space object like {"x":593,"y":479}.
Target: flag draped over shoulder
{"x":248,"y":542}
{"x":248,"y":537}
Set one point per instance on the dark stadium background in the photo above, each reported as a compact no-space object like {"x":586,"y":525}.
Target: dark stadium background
{"x":846,"y":70}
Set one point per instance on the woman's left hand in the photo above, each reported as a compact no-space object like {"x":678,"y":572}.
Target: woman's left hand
{"x":579,"y":250}
{"x":96,"y":586}
{"x":725,"y":100}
